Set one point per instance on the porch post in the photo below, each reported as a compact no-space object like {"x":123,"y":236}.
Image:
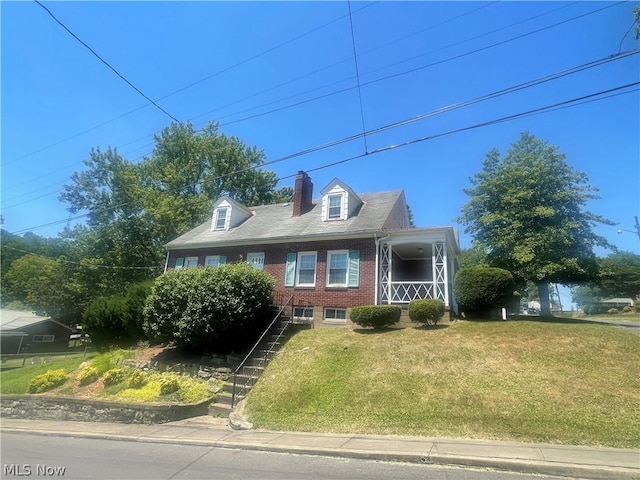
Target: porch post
{"x":434,"y":271}
{"x":385,"y":273}
{"x":439,"y":258}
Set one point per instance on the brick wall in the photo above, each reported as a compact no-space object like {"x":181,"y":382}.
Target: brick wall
{"x":319,"y":296}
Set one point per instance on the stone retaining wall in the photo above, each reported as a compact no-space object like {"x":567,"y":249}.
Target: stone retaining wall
{"x":45,"y":407}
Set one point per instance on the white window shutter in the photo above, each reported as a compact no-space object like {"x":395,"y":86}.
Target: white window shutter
{"x":290,"y":273}
{"x":354,"y":268}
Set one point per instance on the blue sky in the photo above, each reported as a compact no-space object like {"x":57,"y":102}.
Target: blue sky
{"x":246,"y":64}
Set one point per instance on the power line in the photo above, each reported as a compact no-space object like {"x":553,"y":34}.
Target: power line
{"x":201,"y":80}
{"x":107,"y":63}
{"x":297,"y":78}
{"x":355,"y":61}
{"x":451,"y":107}
{"x":564,"y":104}
{"x":108,"y":267}
{"x":413,"y":70}
{"x":349,"y":88}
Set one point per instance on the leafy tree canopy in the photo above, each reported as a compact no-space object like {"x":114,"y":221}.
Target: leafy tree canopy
{"x":132,"y":210}
{"x":528,"y":210}
{"x":619,"y":276}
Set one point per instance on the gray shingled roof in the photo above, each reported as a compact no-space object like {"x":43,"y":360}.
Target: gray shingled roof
{"x":275,"y":223}
{"x":13,"y":320}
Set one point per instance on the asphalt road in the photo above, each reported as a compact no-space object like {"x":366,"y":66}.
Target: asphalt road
{"x":35,"y":456}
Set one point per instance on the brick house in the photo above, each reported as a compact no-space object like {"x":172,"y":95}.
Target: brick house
{"x":333,"y":253}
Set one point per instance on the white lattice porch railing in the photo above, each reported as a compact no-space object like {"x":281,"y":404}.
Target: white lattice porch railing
{"x":405,"y":292}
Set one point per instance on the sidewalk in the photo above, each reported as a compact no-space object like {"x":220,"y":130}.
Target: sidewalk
{"x":560,"y":460}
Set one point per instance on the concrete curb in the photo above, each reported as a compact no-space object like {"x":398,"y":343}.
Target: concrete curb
{"x":527,"y":466}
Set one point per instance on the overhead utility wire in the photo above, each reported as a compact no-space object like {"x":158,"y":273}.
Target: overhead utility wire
{"x":516,"y":116}
{"x":281,"y":84}
{"x":355,"y":61}
{"x":346,"y":79}
{"x":445,"y":109}
{"x":406,"y":72}
{"x":110,"y":267}
{"x":303,"y":76}
{"x":326,"y":67}
{"x":107,"y":63}
{"x":564,"y":104}
{"x":208,"y":77}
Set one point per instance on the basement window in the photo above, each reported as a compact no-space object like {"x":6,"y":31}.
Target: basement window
{"x":303,"y":313}
{"x":335,"y":315}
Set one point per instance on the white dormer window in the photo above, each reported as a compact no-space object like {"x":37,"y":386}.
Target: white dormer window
{"x":335,"y":207}
{"x":221,"y":218}
{"x":339,"y":201}
{"x":228,"y":214}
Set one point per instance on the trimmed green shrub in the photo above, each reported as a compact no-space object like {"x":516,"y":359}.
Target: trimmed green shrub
{"x":88,"y":375}
{"x":612,"y":311}
{"x":137,"y":379}
{"x":168,"y":384}
{"x":627,"y":309}
{"x":376,"y":316}
{"x":428,"y":311}
{"x":115,"y":376}
{"x":223,"y":308}
{"x":47,"y":381}
{"x":117,"y":319}
{"x":481,"y":289}
{"x":636,"y":307}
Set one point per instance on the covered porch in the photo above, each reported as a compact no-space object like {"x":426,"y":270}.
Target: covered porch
{"x":415,"y":264}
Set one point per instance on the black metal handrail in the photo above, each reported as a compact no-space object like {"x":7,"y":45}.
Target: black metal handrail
{"x":241,"y":388}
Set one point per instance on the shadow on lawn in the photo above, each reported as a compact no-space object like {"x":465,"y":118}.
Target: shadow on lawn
{"x":370,"y":331}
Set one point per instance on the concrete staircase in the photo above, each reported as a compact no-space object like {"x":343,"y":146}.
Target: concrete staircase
{"x":250,"y":370}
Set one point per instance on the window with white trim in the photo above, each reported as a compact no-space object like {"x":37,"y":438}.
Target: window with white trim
{"x":191,"y":262}
{"x":306,"y":269}
{"x":214,"y":260}
{"x":43,"y":338}
{"x":332,"y":314}
{"x":337,"y":267}
{"x":256,"y":260}
{"x":334,"y":207}
{"x":221,"y":218}
{"x":303,"y":313}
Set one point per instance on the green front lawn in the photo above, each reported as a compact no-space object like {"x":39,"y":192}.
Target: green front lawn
{"x":15,"y":379}
{"x":549,"y":381}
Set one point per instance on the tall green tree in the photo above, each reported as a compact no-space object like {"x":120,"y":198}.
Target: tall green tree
{"x":528,"y":210}
{"x":14,"y":247}
{"x":133,"y":209}
{"x":188,"y":169}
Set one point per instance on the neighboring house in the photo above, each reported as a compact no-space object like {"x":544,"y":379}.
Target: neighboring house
{"x":616,"y":302}
{"x":339,"y":251}
{"x":26,"y":332}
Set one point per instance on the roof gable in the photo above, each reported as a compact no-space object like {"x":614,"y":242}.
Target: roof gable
{"x":339,"y":201}
{"x":228,"y":213}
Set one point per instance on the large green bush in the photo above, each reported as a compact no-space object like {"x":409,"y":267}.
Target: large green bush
{"x":428,"y":311}
{"x":222,"y":308}
{"x":376,"y":316}
{"x":480,"y":290}
{"x":117,"y":319}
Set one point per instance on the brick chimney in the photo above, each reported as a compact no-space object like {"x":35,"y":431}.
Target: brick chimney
{"x":302,"y":194}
